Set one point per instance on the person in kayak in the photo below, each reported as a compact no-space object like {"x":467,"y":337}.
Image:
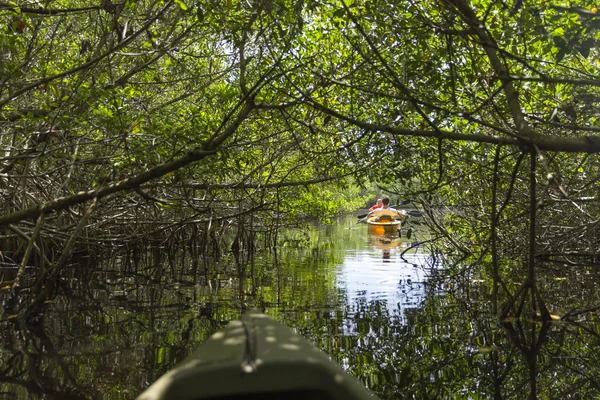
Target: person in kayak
{"x":376,"y":206}
{"x":386,"y":212}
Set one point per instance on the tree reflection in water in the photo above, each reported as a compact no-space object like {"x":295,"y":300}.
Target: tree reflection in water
{"x":407,"y":330}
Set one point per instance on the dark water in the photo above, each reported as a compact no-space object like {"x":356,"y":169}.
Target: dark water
{"x":380,"y":309}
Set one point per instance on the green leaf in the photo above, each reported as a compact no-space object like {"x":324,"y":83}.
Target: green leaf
{"x":339,"y":13}
{"x":594,"y":24}
{"x":181,"y":5}
{"x":559,"y":32}
{"x":561,"y":54}
{"x":559,"y":42}
{"x":584,"y":48}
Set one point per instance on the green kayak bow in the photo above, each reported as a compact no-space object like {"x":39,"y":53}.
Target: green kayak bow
{"x":257,"y":358}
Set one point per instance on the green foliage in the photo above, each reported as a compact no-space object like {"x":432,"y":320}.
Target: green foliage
{"x":134,"y":86}
{"x":257,"y":114}
{"x":222,"y":110}
{"x":324,"y":202}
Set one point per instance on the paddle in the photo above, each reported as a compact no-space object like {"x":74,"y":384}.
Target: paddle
{"x":363,"y":219}
{"x":415,"y":213}
{"x":412,"y":213}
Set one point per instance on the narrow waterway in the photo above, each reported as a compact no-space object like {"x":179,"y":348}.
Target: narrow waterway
{"x":378,"y":306}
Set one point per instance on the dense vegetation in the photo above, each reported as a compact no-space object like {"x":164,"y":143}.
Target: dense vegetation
{"x":128,"y":122}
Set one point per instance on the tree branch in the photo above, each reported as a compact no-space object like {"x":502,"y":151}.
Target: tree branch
{"x":158,"y":171}
{"x":582,"y":144}
{"x":124,"y":43}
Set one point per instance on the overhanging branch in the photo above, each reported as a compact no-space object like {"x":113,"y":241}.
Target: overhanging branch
{"x":158,"y":171}
{"x":582,"y":144}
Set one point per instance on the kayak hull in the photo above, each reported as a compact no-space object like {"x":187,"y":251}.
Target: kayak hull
{"x":383,"y":228}
{"x":257,"y":358}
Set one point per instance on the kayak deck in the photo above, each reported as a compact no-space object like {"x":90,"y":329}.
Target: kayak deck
{"x":257,"y":358}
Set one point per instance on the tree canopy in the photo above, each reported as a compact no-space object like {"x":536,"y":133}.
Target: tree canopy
{"x":128,"y":122}
{"x":125,"y":118}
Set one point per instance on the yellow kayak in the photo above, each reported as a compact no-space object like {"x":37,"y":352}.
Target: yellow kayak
{"x":385,"y":227}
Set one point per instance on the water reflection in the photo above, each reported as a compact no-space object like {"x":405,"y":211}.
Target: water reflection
{"x":386,"y":243}
{"x":370,"y":304}
{"x":379,"y":272}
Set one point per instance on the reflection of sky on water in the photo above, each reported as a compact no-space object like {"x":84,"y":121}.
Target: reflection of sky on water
{"x":366,"y":275}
